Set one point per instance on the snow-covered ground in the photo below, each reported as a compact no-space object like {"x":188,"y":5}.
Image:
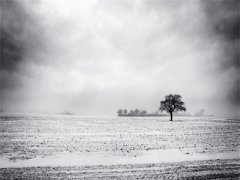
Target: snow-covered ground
{"x":47,"y":141}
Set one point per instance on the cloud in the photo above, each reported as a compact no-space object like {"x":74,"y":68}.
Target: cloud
{"x":223,"y":21}
{"x":93,"y":57}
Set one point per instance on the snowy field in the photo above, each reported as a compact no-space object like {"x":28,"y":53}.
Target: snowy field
{"x":43,"y":146}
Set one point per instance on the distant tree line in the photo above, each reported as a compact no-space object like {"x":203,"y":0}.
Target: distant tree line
{"x":172,"y":104}
{"x":131,"y":112}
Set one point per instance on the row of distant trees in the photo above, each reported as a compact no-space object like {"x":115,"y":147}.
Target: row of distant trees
{"x":131,"y":112}
{"x":171,"y":104}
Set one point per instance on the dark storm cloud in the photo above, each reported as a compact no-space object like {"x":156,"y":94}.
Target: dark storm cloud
{"x":224,"y":21}
{"x":13,"y":18}
{"x":21,"y":33}
{"x":12,"y":15}
{"x":20,"y":37}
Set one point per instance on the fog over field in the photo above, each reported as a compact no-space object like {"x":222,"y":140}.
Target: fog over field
{"x":94,"y":57}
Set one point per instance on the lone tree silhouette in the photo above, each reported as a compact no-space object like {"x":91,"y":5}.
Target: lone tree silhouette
{"x":172,"y":103}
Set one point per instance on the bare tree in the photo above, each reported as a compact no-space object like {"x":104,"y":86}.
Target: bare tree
{"x":125,"y":112}
{"x":136,"y":112}
{"x":172,"y":103}
{"x":120,"y":112}
{"x":131,"y":112}
{"x":143,"y":113}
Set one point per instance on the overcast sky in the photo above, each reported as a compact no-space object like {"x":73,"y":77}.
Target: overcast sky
{"x":92,"y":57}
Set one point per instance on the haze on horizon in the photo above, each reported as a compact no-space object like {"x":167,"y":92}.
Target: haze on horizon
{"x":92,"y":57}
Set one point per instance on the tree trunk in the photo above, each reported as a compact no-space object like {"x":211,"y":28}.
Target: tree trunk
{"x":171,"y":114}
